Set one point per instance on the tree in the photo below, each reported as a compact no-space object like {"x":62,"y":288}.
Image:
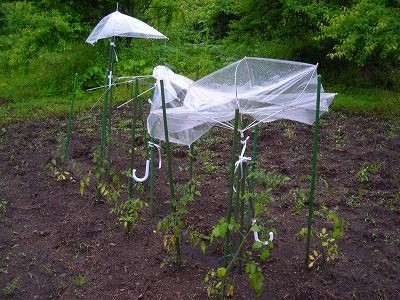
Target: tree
{"x":368,"y":32}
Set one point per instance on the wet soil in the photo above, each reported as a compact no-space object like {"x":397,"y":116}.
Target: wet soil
{"x":62,"y":245}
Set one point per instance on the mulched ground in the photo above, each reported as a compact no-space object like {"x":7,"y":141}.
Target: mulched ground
{"x":50,"y":235}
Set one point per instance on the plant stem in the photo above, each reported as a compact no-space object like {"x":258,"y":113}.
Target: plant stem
{"x":228,"y":268}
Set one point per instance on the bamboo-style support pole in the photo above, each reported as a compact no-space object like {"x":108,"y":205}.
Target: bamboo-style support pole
{"x":69,"y":126}
{"x":133,"y":137}
{"x":231,"y":181}
{"x":169,"y":166}
{"x":313,"y":169}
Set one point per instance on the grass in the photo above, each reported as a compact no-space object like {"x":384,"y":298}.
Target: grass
{"x":11,"y":287}
{"x":36,"y":108}
{"x":367,"y":101}
{"x":79,"y":280}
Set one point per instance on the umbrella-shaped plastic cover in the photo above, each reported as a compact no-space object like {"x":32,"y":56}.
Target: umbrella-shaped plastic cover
{"x":118,"y":24}
{"x":265,"y":89}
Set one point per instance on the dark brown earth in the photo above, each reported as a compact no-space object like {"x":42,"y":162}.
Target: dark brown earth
{"x":49,"y":234}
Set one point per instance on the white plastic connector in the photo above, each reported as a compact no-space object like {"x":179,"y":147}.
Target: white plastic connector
{"x":146,"y":175}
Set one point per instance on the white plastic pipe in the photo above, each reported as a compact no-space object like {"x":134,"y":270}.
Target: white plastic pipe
{"x":146,"y":175}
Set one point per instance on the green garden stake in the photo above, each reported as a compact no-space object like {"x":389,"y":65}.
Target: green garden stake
{"x":238,"y":182}
{"x":109,"y":106}
{"x":313,"y":169}
{"x":242,"y":227}
{"x":237,"y":197}
{"x":250,"y":207}
{"x":133,"y":137}
{"x":197,"y":72}
{"x":71,"y":110}
{"x":152,"y":193}
{"x":231,"y":181}
{"x":191,"y":150}
{"x":101,"y":165}
{"x":169,"y":166}
{"x":151,"y":174}
{"x":143,"y":124}
{"x":191,"y":163}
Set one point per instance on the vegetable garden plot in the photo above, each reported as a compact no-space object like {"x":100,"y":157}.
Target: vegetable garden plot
{"x":264,"y":89}
{"x":182,"y":110}
{"x":58,"y":229}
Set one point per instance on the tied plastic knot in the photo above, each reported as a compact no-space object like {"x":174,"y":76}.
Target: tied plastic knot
{"x":242,"y":158}
{"x":265,"y":243}
{"x":152,"y":145}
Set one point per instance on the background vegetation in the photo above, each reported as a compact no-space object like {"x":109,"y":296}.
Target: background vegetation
{"x":355,"y":42}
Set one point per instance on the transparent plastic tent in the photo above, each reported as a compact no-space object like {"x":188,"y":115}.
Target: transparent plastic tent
{"x":265,"y":89}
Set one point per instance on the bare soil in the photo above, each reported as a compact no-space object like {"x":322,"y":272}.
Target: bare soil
{"x":49,"y":234}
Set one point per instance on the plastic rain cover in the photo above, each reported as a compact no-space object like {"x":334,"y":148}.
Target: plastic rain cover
{"x":118,"y":24}
{"x":265,"y":89}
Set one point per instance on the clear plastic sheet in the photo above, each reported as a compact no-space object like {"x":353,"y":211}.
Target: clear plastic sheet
{"x":118,"y":24}
{"x":265,"y":89}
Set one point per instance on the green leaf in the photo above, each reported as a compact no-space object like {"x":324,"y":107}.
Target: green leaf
{"x":264,"y":254}
{"x":255,"y":228}
{"x":257,"y":245}
{"x":221,"y":272}
{"x":203,"y":247}
{"x":220,"y":229}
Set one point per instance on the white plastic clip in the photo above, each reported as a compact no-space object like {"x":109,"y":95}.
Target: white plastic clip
{"x":265,"y":243}
{"x":146,"y":175}
{"x":151,"y":144}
